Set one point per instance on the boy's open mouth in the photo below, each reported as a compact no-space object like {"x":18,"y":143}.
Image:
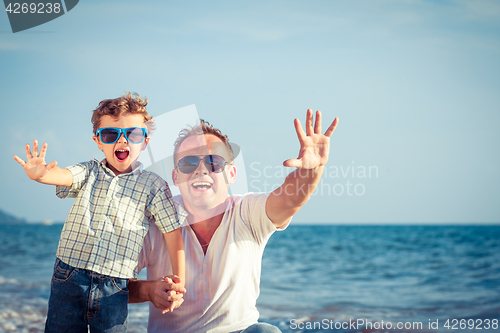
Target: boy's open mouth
{"x":121,"y":154}
{"x":201,"y":185}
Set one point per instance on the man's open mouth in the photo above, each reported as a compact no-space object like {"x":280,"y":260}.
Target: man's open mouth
{"x":121,"y":154}
{"x":201,"y":185}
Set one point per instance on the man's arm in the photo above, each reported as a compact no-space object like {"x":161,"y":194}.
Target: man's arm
{"x":37,"y":170}
{"x":299,"y":185}
{"x":165,"y":293}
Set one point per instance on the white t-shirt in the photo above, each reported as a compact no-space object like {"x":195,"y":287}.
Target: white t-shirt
{"x":223,"y":285}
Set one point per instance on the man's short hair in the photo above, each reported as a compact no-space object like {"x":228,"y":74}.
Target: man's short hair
{"x":203,"y":128}
{"x":116,"y":107}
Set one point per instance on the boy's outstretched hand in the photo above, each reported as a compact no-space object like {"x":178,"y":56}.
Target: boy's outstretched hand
{"x":37,"y":170}
{"x":35,"y":167}
{"x":314,"y":146}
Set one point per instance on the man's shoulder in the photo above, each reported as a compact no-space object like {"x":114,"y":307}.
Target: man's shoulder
{"x":245,"y":204}
{"x":248,"y":215}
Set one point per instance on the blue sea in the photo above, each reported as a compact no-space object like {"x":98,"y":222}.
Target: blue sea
{"x":315,"y":279}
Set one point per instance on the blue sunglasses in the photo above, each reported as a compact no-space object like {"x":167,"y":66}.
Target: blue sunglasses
{"x":110,"y":135}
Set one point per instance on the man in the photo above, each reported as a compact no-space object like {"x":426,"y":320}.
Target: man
{"x":224,"y":236}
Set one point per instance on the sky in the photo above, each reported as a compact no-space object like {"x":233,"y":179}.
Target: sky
{"x":415,"y":85}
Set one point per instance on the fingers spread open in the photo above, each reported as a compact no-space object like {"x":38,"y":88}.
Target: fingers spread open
{"x":293,"y":163}
{"x":43,"y":150}
{"x":332,"y":127}
{"x":35,"y":148}
{"x":28,"y":152}
{"x":309,"y":122}
{"x":51,"y":165}
{"x":317,"y":124}
{"x":298,"y":128}
{"x":19,"y":160}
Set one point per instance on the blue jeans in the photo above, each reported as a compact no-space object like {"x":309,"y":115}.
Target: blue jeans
{"x":261,"y":328}
{"x":80,"y":299}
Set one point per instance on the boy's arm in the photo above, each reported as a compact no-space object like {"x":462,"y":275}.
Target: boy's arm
{"x":299,"y":185}
{"x":175,"y":246}
{"x":37,"y":170}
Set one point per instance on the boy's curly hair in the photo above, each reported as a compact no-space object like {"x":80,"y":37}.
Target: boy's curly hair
{"x":116,"y":107}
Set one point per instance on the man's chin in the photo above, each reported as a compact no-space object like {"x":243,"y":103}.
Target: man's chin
{"x":202,"y":203}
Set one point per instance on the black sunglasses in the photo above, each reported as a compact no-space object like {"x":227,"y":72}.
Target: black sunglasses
{"x":213,"y":163}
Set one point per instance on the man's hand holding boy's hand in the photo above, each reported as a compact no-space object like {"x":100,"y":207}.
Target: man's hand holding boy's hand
{"x":37,"y":170}
{"x":167,"y":293}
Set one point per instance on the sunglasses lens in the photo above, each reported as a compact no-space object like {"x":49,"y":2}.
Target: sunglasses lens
{"x":135,"y":135}
{"x":109,"y":135}
{"x":188,"y":164}
{"x":214,"y":163}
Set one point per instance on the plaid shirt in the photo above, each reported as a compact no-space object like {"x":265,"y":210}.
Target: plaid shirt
{"x":105,"y":228}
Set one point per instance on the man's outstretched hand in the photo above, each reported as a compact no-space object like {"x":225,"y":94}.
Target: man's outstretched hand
{"x":314,"y":146}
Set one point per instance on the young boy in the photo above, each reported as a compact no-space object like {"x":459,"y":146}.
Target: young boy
{"x":103,"y":234}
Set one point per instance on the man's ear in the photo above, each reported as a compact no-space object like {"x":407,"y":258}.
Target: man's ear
{"x":231,"y":173}
{"x":98,"y":141}
{"x":174,"y":177}
{"x":145,"y":143}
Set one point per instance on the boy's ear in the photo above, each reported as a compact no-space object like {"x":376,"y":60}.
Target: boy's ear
{"x":174,"y":177}
{"x":145,"y":143}
{"x":98,"y":141}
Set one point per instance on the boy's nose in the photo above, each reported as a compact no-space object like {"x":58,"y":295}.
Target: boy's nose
{"x":122,"y":138}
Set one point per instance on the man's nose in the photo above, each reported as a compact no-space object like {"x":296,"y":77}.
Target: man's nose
{"x":201,"y":169}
